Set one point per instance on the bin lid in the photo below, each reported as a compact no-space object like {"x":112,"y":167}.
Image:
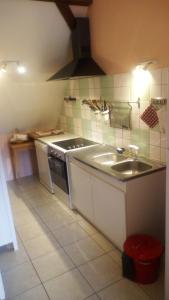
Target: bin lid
{"x":143,"y":247}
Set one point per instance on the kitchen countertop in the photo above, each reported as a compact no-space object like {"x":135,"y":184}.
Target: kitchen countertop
{"x":88,"y":157}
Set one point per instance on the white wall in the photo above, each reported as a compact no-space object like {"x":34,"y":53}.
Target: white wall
{"x":26,"y":106}
{"x":36,"y":34}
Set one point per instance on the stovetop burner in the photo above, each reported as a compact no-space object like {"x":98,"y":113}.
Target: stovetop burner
{"x":74,"y":143}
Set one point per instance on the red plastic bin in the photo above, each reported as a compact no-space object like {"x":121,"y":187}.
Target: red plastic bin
{"x":146,"y":252}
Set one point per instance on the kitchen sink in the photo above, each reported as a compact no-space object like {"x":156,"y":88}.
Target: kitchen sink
{"x":131,"y":167}
{"x":107,"y":159}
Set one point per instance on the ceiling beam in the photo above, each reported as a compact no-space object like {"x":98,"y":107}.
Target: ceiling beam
{"x":71,"y":2}
{"x":78,"y":2}
{"x":66,"y":13}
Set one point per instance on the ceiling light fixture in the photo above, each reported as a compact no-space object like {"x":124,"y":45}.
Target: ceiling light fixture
{"x":20,"y":68}
{"x":3,"y":68}
{"x":142,"y":77}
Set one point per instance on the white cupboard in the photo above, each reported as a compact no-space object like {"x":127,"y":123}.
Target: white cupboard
{"x":116,"y":208}
{"x":82,"y":190}
{"x":109,"y":208}
{"x":7,"y":230}
{"x":2,"y":292}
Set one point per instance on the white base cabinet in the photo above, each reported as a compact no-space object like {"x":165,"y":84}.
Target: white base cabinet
{"x":7,"y":230}
{"x":82,"y":190}
{"x":2,"y":292}
{"x":118,"y":209}
{"x":109,"y":208}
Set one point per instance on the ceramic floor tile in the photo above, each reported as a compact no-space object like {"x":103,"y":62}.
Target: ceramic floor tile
{"x":37,"y":293}
{"x":32,"y":230}
{"x":123,"y":290}
{"x":101,"y":272}
{"x":116,"y":256}
{"x":155,"y":290}
{"x":37,"y":197}
{"x":18,"y":206}
{"x":10,"y":258}
{"x":41,"y":245}
{"x":88,"y":227}
{"x":55,"y":221}
{"x":52,"y":265}
{"x":83,"y":251}
{"x":19,"y":280}
{"x":69,"y":234}
{"x":94,"y":297}
{"x":69,"y":286}
{"x":47,"y":210}
{"x":23,"y":217}
{"x":103,"y":242}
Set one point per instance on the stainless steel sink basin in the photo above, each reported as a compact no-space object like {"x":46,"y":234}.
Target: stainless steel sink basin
{"x":131,"y":167}
{"x":107,"y":159}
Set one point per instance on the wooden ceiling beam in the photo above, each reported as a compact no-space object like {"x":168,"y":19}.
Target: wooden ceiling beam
{"x":66,"y":13}
{"x":78,"y":2}
{"x":71,"y":2}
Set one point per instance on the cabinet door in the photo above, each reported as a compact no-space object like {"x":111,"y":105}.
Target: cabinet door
{"x":81,"y":191}
{"x":7,"y":231}
{"x":2,"y":292}
{"x":109,"y":211}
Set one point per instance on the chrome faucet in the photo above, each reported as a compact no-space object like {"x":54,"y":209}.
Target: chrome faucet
{"x":120,"y":150}
{"x":134,"y":149}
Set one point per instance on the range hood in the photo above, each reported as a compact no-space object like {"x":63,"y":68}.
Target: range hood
{"x":83,"y":65}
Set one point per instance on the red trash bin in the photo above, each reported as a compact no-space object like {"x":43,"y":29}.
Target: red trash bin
{"x":145,"y":252}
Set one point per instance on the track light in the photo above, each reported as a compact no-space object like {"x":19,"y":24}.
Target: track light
{"x":20,"y":68}
{"x":3,"y":68}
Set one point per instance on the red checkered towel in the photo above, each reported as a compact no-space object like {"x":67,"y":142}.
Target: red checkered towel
{"x":150,"y":116}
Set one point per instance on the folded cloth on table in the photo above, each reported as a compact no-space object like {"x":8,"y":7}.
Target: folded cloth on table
{"x":57,"y":131}
{"x":150,"y":117}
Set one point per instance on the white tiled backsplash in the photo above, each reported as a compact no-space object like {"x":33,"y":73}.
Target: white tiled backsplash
{"x":79,"y":119}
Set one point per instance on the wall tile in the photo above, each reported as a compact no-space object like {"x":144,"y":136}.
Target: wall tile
{"x":155,"y":91}
{"x":81,"y":120}
{"x":155,"y":153}
{"x":122,"y":93}
{"x":96,"y":82}
{"x":155,"y":138}
{"x":156,"y":76}
{"x":164,"y":91}
{"x":165,"y":76}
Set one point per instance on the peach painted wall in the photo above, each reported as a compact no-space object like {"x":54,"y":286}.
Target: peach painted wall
{"x":125,"y":33}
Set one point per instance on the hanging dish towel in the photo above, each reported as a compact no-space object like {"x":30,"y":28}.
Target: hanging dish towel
{"x":162,"y":119}
{"x":150,"y":116}
{"x":120,"y":115}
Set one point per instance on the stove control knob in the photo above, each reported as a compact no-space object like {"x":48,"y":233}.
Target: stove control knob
{"x":82,"y":145}
{"x":73,"y":146}
{"x":77,"y":146}
{"x":69,"y":147}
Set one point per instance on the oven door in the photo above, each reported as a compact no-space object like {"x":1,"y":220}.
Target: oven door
{"x":59,"y":173}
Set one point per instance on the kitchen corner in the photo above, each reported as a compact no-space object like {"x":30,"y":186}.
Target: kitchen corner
{"x":84,"y":150}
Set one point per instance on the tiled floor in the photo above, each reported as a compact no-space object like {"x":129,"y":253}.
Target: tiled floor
{"x":61,"y":256}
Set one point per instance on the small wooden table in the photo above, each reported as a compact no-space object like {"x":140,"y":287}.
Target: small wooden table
{"x":15,"y":148}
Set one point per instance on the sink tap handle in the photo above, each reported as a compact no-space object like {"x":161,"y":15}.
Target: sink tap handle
{"x":134,"y":149}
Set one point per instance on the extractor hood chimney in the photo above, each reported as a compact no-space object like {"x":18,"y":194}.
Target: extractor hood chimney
{"x":83,"y":65}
